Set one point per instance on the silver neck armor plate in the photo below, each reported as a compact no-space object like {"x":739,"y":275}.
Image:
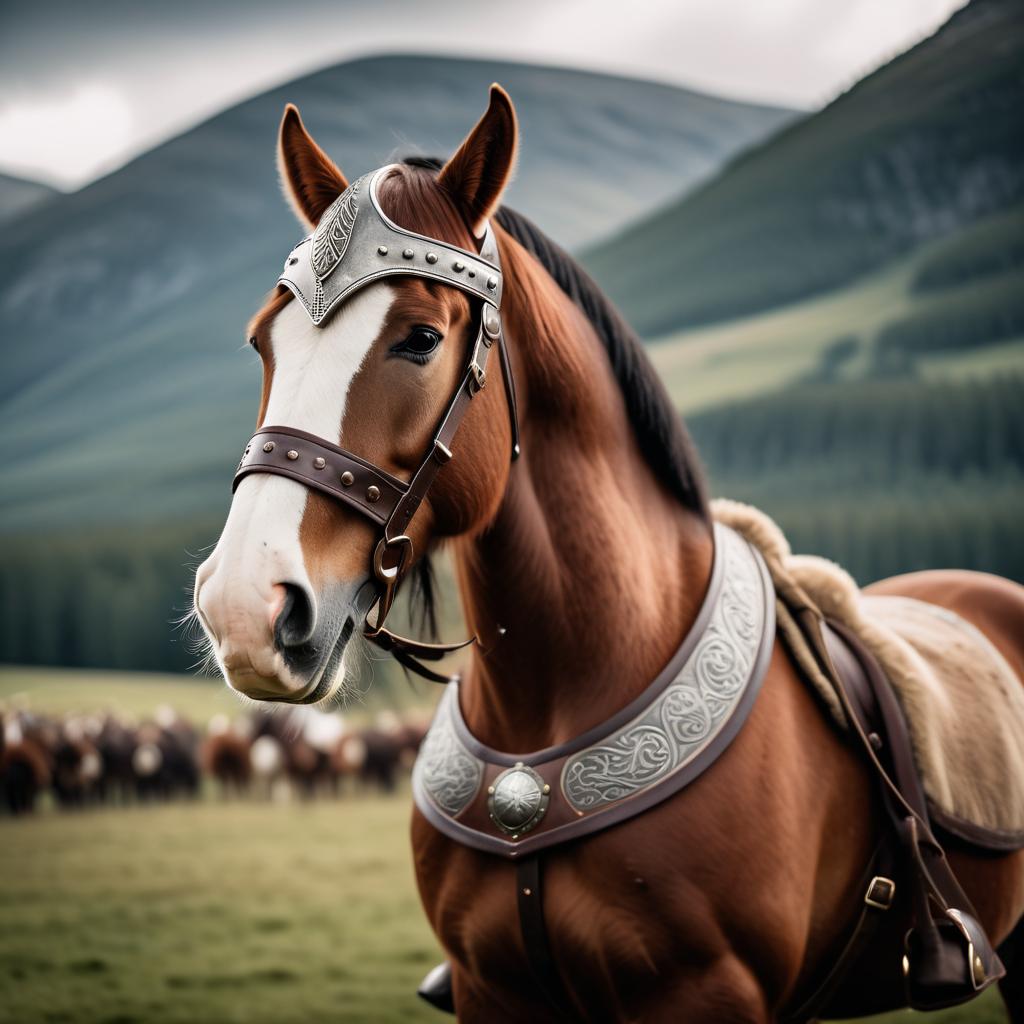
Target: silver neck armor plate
{"x":513,"y":804}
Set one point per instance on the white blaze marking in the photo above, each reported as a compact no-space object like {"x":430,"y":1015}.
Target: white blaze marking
{"x":314,"y":366}
{"x":259,"y":546}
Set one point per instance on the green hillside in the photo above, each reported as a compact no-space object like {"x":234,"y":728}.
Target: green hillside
{"x":19,"y":195}
{"x":952,"y":309}
{"x":878,"y":418}
{"x":919,"y":150}
{"x":122,"y":306}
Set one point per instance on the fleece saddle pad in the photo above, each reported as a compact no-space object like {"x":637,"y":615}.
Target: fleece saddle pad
{"x":963,"y":703}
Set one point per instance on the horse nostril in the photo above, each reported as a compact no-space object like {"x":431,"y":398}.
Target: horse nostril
{"x":296,"y":619}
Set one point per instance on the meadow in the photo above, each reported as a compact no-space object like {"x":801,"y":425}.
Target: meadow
{"x":218,"y":911}
{"x":227,"y":912}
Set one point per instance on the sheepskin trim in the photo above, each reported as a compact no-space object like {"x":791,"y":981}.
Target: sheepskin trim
{"x":754,"y":525}
{"x":831,"y":587}
{"x":821,"y":685}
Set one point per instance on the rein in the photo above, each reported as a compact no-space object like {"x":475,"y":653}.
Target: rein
{"x":355,"y":244}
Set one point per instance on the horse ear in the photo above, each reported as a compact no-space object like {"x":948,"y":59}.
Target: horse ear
{"x":310,"y":179}
{"x":476,"y":176}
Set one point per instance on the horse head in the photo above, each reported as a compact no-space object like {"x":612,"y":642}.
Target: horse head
{"x":321,"y":529}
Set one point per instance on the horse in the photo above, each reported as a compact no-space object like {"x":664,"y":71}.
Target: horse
{"x":581,"y":565}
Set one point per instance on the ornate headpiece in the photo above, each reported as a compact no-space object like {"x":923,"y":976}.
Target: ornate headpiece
{"x":356,"y":243}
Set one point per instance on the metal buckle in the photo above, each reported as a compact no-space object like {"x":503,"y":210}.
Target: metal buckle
{"x":479,"y":378}
{"x":880,"y":894}
{"x":389,"y":576}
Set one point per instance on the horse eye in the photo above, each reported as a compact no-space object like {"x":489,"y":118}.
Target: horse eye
{"x":254,"y":343}
{"x":419,"y":346}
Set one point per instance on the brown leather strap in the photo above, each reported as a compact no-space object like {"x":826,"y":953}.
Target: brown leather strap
{"x":935,"y":892}
{"x":879,"y":891}
{"x":530,"y":899}
{"x":851,"y":659}
{"x":409,"y":653}
{"x":322,"y":466}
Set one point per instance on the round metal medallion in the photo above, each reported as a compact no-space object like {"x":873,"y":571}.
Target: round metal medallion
{"x":517,"y":800}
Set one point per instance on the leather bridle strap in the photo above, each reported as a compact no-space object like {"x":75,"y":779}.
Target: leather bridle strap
{"x":394,"y":552}
{"x":388,"y":501}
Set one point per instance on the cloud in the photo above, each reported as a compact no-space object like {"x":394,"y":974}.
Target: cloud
{"x":164,"y":67}
{"x":71,"y":136}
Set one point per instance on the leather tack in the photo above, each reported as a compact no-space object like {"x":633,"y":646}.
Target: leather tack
{"x":286,"y":451}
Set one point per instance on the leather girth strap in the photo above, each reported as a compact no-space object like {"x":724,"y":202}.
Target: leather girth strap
{"x":530,"y":900}
{"x":949,"y":958}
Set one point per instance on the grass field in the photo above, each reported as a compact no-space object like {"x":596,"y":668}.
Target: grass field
{"x":218,"y":912}
{"x":138,"y":694}
{"x":215,"y":911}
{"x":241,"y":912}
{"x":211,"y":912}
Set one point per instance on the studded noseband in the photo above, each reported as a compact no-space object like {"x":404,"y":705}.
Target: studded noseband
{"x":354,"y":245}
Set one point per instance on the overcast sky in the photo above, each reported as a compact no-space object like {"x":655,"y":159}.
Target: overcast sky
{"x":87,"y":84}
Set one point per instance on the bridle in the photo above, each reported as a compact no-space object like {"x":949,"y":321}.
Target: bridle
{"x":354,"y":245}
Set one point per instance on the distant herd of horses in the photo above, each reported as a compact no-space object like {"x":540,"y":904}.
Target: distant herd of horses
{"x":108,"y":759}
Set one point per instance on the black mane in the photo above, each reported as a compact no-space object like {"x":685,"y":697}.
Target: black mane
{"x":660,"y":431}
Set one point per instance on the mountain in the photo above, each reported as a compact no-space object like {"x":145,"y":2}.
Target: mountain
{"x":921,"y":149}
{"x":19,"y":195}
{"x":122,"y":306}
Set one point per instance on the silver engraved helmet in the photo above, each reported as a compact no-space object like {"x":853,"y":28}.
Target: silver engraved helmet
{"x":356,"y":243}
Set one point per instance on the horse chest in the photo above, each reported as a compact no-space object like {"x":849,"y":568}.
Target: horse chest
{"x":624,"y":921}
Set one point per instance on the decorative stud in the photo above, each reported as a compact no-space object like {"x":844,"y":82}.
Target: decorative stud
{"x":292,"y":454}
{"x":492,"y":325}
{"x":527,"y":892}
{"x":347,"y":479}
{"x":269,"y":446}
{"x":492,"y":282}
{"x":517,"y":800}
{"x":408,"y":253}
{"x":319,"y":463}
{"x":431,"y":257}
{"x":382,"y":250}
{"x":472,"y":273}
{"x":372,"y":493}
{"x":459,"y":266}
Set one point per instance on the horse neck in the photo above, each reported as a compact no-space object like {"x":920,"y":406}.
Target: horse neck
{"x":595,"y":571}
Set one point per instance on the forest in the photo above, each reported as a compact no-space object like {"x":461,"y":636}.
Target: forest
{"x":884,"y":475}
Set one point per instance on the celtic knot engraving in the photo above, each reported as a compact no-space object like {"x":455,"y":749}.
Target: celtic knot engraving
{"x":685,"y":717}
{"x":694,"y":707}
{"x":449,"y":773}
{"x":614,"y":770}
{"x":715,"y":663}
{"x":330,"y":240}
